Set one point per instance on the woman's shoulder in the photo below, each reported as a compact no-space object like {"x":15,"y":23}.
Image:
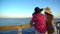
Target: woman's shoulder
{"x":34,"y":15}
{"x":42,"y":14}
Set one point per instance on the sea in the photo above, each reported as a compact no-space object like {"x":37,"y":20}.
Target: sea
{"x":16,"y":22}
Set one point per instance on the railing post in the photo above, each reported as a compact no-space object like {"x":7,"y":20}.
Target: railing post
{"x":19,"y":31}
{"x":58,"y":27}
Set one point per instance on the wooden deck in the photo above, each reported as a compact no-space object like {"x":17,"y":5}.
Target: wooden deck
{"x":13,"y":27}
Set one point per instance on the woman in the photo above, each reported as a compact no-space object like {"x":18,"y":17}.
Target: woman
{"x":49,"y":23}
{"x":39,"y":21}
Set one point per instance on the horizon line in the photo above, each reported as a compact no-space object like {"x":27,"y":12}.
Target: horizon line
{"x":21,"y":17}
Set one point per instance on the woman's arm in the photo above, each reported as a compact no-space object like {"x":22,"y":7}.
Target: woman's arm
{"x":31,"y":23}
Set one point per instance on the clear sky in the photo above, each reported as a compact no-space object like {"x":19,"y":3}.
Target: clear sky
{"x":25,"y":8}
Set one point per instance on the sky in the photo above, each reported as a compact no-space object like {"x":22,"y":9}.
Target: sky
{"x":25,"y":8}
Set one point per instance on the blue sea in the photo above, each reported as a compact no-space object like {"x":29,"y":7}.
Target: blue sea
{"x":16,"y":22}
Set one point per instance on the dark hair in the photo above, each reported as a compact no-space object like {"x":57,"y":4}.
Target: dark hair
{"x":47,"y":13}
{"x":37,"y":10}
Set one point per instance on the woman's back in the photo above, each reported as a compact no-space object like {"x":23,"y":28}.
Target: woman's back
{"x":40,"y":22}
{"x":50,"y":27}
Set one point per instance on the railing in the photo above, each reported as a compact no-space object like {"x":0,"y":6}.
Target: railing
{"x":13,"y":27}
{"x":19,"y":27}
{"x":58,"y":27}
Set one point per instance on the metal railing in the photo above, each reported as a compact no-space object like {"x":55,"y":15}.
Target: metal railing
{"x":58,"y":27}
